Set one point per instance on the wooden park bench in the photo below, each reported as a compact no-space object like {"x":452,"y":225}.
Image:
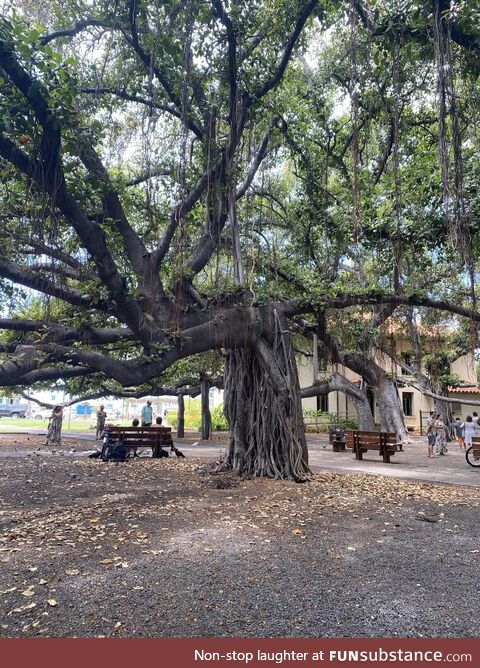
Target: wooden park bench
{"x":385,"y":442}
{"x":139,"y":437}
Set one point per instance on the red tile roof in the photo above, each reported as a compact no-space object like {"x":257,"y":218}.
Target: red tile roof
{"x":470,"y":389}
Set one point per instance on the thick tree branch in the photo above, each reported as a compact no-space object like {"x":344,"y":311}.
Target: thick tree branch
{"x":150,"y":64}
{"x":153,"y":104}
{"x":275,"y":79}
{"x":75,"y":29}
{"x":257,"y":161}
{"x":29,"y":279}
{"x":113,"y":209}
{"x":50,"y":179}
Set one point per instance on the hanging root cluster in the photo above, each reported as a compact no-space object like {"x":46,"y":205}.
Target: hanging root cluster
{"x":450,"y":140}
{"x":263,"y":406}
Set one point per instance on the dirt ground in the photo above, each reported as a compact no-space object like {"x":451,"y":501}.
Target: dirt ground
{"x":164,"y":548}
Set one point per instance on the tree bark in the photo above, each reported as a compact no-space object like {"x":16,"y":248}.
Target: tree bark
{"x":206,"y":417}
{"x":263,"y":407}
{"x":337,"y":382}
{"x":391,"y":413}
{"x":181,"y":416}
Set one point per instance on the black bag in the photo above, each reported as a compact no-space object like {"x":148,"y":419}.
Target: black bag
{"x":161,"y":453}
{"x":115,"y":451}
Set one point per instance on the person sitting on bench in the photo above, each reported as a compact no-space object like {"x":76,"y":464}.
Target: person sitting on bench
{"x":135,"y":423}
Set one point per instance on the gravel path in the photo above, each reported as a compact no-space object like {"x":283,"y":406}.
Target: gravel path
{"x":152,"y":548}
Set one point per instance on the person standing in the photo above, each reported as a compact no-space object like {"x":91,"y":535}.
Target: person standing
{"x":147,"y":415}
{"x":440,"y":435}
{"x":470,"y":429}
{"x":101,"y":417}
{"x":54,"y":431}
{"x":458,"y":427}
{"x":431,"y":433}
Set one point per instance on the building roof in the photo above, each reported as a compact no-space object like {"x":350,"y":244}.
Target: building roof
{"x":467,"y":389}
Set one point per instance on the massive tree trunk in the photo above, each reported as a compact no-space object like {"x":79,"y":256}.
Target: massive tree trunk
{"x":339,"y":383}
{"x":425,"y":385}
{"x":263,"y":406}
{"x":445,"y":410}
{"x":181,"y":416}
{"x":391,"y":413}
{"x":206,"y":417}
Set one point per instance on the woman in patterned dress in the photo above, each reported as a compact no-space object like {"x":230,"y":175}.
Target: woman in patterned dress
{"x":440,"y":436}
{"x":54,"y":431}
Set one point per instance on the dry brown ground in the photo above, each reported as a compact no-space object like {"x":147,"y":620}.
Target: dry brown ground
{"x":158,"y":548}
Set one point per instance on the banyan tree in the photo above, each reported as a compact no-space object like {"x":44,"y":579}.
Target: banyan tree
{"x":159,"y":199}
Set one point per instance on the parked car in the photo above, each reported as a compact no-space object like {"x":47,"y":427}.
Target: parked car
{"x":11,"y":408}
{"x":41,"y":413}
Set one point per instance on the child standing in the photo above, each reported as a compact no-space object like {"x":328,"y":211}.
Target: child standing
{"x":458,"y":427}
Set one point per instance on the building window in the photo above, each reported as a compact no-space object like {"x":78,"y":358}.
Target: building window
{"x":322,"y":403}
{"x":407,"y":401}
{"x":456,"y":408}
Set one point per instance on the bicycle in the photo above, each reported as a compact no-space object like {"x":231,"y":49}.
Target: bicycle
{"x":472,"y":455}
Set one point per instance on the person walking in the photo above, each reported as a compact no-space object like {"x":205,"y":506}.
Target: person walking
{"x":101,"y":417}
{"x":458,"y":427}
{"x":147,"y":415}
{"x":54,"y":431}
{"x":440,"y":436}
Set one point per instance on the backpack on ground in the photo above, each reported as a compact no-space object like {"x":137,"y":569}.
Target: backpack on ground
{"x":115,"y":451}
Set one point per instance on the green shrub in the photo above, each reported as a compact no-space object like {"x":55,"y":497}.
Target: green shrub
{"x":321,"y":421}
{"x":219,"y":421}
{"x":172,"y":419}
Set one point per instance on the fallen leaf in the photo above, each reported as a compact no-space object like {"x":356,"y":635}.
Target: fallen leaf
{"x":106,"y":561}
{"x":296,"y":532}
{"x":72,"y":571}
{"x":28,"y":592}
{"x":25,"y":607}
{"x":52,"y":602}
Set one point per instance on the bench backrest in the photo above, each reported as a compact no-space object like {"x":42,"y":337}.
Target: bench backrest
{"x":148,"y":436}
{"x":373,"y":438}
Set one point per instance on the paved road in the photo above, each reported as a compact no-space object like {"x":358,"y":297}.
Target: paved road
{"x":412,"y":464}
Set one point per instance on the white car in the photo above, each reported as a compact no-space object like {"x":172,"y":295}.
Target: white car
{"x":42,"y":413}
